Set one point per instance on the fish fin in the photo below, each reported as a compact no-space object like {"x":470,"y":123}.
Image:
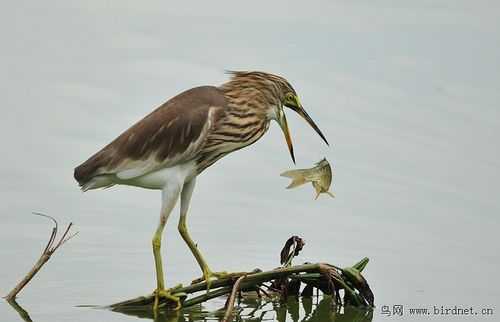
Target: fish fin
{"x":331,"y":194}
{"x":317,"y":188}
{"x":297,"y":177}
{"x":290,"y":173}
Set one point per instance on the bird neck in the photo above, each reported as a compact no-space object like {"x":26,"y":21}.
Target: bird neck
{"x":251,"y":97}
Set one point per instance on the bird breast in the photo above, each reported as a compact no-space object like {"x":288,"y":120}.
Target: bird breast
{"x":231,"y":133}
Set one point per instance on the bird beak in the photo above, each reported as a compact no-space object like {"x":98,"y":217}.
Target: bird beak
{"x":284,"y":126}
{"x":300,"y":110}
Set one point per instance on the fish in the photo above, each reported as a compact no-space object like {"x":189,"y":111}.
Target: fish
{"x":320,"y":176}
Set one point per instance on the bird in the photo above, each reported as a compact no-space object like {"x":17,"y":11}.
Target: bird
{"x":176,"y":142}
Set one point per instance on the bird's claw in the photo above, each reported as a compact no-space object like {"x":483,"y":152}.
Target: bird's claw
{"x":168,"y":296}
{"x":209,"y":276}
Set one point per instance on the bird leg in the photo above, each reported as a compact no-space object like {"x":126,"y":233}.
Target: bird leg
{"x":207,"y":272}
{"x":187,"y":191}
{"x":170,"y":197}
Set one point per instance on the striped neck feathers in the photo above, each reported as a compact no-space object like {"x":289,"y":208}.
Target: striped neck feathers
{"x":254,"y":93}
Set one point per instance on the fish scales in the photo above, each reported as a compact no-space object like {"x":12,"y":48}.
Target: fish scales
{"x":320,"y":177}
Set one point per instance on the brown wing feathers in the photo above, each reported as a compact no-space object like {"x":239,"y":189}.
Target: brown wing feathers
{"x":167,"y":131}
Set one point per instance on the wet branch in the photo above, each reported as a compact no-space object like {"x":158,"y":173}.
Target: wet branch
{"x":48,"y":251}
{"x":232,"y":298}
{"x":281,"y":282}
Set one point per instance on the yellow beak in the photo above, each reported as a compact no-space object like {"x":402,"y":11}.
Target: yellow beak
{"x":284,"y":127}
{"x":299,"y":109}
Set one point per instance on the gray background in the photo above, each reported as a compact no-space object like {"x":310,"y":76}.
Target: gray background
{"x":406,"y":92}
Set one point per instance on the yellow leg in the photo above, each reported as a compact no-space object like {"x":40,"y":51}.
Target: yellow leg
{"x":157,"y":254}
{"x":187,"y":191}
{"x":170,"y":197}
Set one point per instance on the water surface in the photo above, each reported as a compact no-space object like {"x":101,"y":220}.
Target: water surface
{"x":407,"y":94}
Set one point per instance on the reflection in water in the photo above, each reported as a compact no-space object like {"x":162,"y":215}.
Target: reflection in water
{"x":19,"y":309}
{"x":253,"y":310}
{"x":250,"y":310}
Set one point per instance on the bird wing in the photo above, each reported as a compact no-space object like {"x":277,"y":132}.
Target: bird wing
{"x":171,"y":134}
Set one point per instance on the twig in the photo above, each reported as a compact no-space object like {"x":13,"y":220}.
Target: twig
{"x":230,"y":303}
{"x":46,"y":254}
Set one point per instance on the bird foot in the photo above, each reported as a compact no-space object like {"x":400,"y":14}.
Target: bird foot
{"x":169,"y":297}
{"x":209,"y":276}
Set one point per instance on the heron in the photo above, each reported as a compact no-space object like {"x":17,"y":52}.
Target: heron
{"x":177,"y":141}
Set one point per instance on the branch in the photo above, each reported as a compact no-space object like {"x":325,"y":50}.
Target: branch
{"x":231,"y":299}
{"x":282,"y":281}
{"x":252,"y":281}
{"x":49,"y":249}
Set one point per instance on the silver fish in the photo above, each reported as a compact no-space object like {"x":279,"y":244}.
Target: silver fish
{"x":320,"y":176}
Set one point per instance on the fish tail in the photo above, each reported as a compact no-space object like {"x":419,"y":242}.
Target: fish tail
{"x":297,"y":176}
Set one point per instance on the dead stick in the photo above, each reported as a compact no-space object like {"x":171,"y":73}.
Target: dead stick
{"x":38,"y":265}
{"x":46,"y":254}
{"x":230,"y":303}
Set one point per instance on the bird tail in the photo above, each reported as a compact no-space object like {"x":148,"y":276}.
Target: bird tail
{"x":90,"y":174}
{"x":297,"y":176}
{"x":99,"y":181}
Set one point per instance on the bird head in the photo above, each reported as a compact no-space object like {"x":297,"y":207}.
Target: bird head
{"x":290,"y":99}
{"x":277,"y":92}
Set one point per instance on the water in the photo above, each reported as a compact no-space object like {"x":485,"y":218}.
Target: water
{"x":304,"y":309}
{"x":407,"y":94}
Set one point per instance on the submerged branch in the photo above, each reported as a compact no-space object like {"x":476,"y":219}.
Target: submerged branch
{"x":346,"y":286}
{"x":232,"y":298}
{"x":23,"y":314}
{"x":318,"y":275}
